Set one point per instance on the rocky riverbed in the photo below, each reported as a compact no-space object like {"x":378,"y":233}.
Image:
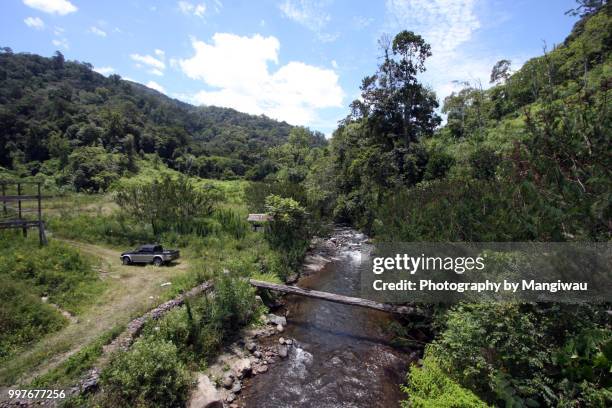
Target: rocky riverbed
{"x":247,"y":357}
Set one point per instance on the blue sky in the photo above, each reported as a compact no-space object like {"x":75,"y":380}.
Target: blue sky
{"x":296,"y":60}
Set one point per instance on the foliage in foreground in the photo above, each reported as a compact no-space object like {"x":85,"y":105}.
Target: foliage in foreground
{"x":528,"y":355}
{"x":153,"y":372}
{"x":430,"y":387}
{"x":150,"y":374}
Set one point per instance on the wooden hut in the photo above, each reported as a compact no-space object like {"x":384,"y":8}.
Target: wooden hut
{"x":258,"y":221}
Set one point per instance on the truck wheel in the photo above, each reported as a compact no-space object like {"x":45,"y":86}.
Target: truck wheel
{"x":126,"y":260}
{"x":158,"y":261}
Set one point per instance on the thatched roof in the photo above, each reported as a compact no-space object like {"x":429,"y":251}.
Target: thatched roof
{"x":259,"y":218}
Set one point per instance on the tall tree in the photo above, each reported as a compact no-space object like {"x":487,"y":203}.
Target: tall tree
{"x":396,"y":104}
{"x":586,"y":7}
{"x":500,"y":72}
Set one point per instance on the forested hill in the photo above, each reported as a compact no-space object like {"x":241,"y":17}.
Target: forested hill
{"x":56,"y":113}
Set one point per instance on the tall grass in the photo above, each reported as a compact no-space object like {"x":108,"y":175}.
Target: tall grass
{"x":112,"y":229}
{"x":23,"y":317}
{"x":29,"y":272}
{"x":57,"y":270}
{"x":232,"y":222}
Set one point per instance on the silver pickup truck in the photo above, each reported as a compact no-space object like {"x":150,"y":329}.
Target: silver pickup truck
{"x":154,"y":254}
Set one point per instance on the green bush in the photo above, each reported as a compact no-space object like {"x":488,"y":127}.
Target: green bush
{"x":256,"y":193}
{"x":195,"y":337}
{"x":150,"y":374}
{"x":430,"y":387}
{"x":199,"y":328}
{"x":287,"y":232}
{"x":233,"y":304}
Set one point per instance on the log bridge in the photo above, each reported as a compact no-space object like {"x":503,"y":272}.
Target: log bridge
{"x":331,"y":297}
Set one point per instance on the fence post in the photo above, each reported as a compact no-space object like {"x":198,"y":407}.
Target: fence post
{"x":24,"y":229}
{"x":41,"y":228}
{"x":4,"y":202}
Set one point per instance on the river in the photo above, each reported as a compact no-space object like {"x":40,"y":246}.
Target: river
{"x":342,"y":357}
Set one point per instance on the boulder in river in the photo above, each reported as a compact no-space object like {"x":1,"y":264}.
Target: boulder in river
{"x":242,"y":367}
{"x":205,"y":395}
{"x":280,"y":328}
{"x":228,"y":381}
{"x":283,"y":351}
{"x":274,"y":319}
{"x":236,"y":387}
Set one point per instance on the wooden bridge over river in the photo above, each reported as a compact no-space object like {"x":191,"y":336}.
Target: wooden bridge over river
{"x":331,"y":297}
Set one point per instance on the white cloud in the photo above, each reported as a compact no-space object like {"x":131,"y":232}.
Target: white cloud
{"x":34,"y":22}
{"x":334,"y":64}
{"x":156,"y":66}
{"x":310,"y":14}
{"x":449,"y":26}
{"x":446,"y":24}
{"x":61,"y":7}
{"x":217,"y":6}
{"x":95,"y":30}
{"x":237,"y":69}
{"x":104,"y":70}
{"x":197,"y":10}
{"x":61,"y":43}
{"x":156,"y":86}
{"x":159,"y":53}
